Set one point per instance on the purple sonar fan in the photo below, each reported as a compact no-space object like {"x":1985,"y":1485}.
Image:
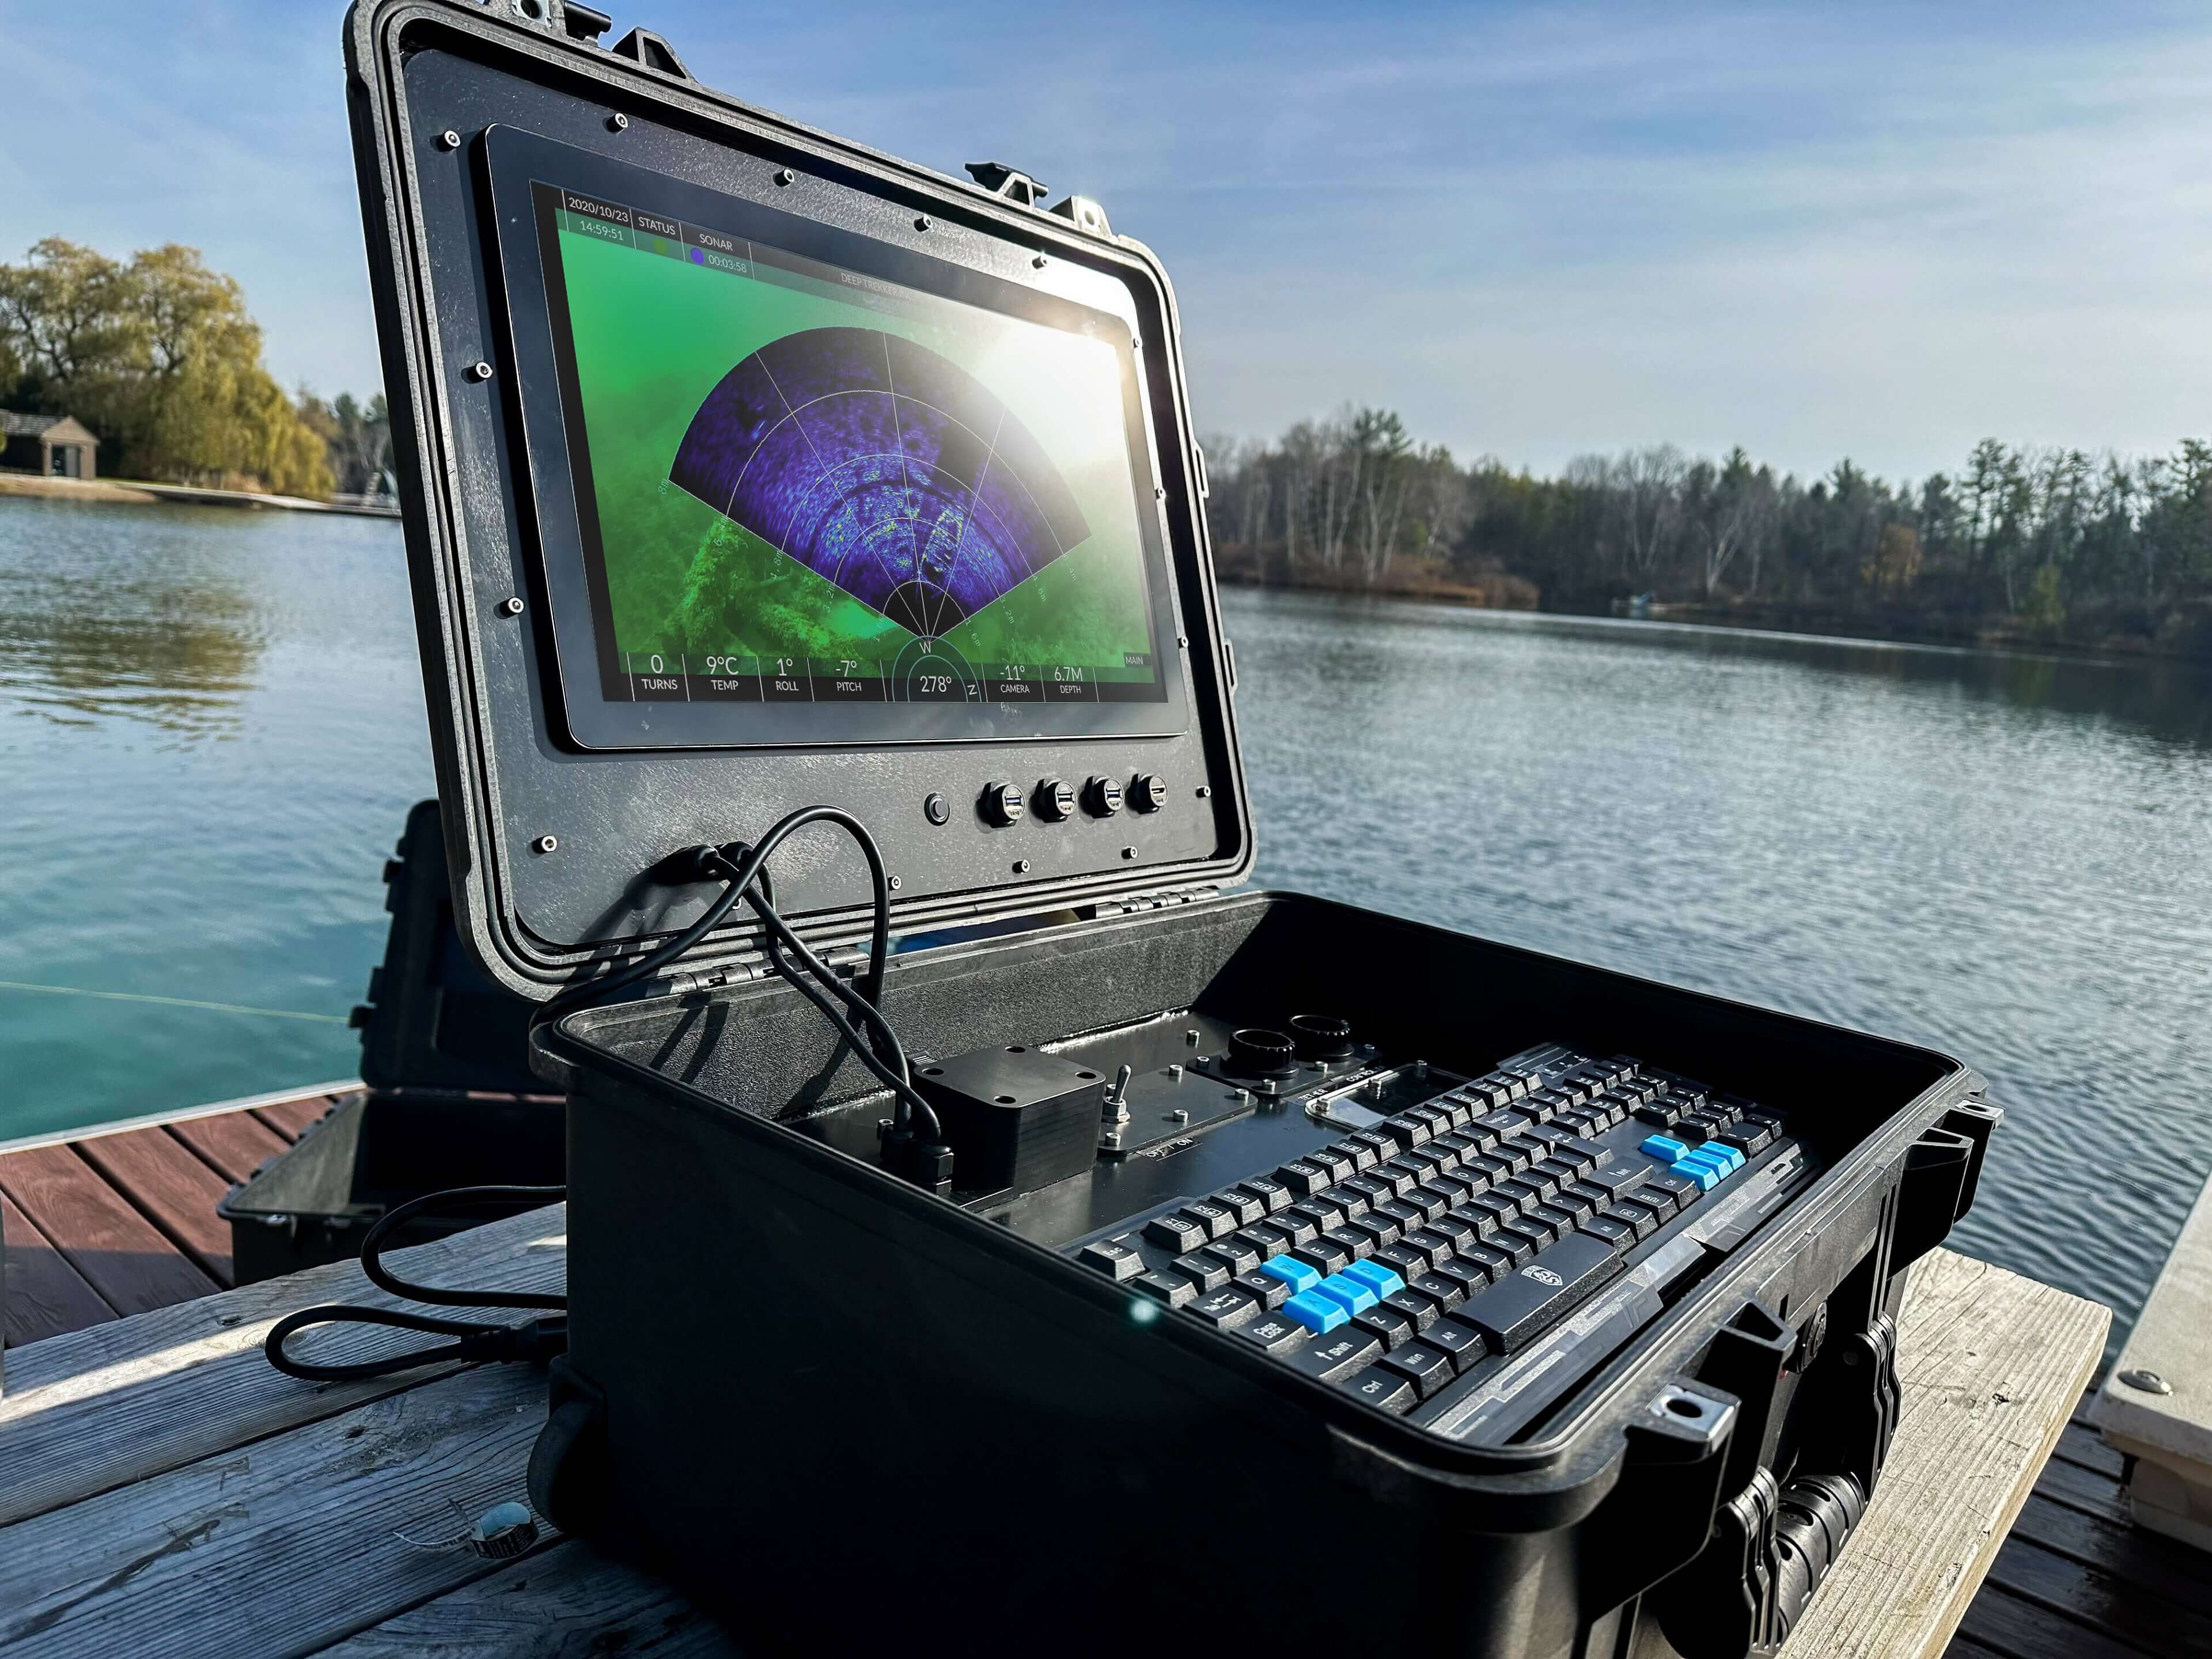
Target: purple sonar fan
{"x":882,"y":467}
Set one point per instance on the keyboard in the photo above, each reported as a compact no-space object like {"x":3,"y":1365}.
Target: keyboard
{"x":1435,"y":1261}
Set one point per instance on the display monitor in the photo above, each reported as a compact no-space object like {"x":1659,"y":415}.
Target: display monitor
{"x":814,"y":488}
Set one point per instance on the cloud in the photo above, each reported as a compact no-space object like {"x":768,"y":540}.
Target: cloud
{"x":1880,"y":231}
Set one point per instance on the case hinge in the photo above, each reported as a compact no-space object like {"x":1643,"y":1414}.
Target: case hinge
{"x":1160,"y":899}
{"x":1015,"y":186}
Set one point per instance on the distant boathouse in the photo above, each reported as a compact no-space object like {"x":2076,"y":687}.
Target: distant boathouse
{"x":52,"y":446}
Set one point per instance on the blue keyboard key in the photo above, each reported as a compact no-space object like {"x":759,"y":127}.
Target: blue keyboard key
{"x":1292,"y":1272}
{"x":1705,"y":1175}
{"x":1717,"y":1158}
{"x":1665,"y":1148}
{"x":1347,"y":1292}
{"x":1318,"y":1313}
{"x":1375,"y":1274}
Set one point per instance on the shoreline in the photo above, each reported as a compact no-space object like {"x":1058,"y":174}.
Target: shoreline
{"x":136,"y":492}
{"x":1772,"y":620}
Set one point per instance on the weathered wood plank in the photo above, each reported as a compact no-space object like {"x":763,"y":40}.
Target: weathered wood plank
{"x":117,"y":1251}
{"x":1992,"y":1364}
{"x":568,"y":1602}
{"x":122,"y":1402}
{"x":2095,"y":1599}
{"x":164,"y":1182}
{"x":292,"y":1118}
{"x":280,"y":1546}
{"x":2085,"y":1490}
{"x":233,"y":1145}
{"x":46,"y":1295}
{"x":2086,"y":1450}
{"x":2020,"y":1629}
{"x":2157,"y":1563}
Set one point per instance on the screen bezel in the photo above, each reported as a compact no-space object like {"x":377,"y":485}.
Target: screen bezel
{"x":566,"y":507}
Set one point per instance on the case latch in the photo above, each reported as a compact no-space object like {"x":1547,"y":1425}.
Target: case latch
{"x":1001,"y":179}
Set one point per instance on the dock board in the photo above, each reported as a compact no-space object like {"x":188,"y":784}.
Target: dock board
{"x":123,"y":1223}
{"x":162,"y":1482}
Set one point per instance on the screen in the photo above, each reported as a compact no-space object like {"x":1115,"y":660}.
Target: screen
{"x":802,"y":485}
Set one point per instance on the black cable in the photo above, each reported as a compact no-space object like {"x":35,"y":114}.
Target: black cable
{"x":540,"y":1339}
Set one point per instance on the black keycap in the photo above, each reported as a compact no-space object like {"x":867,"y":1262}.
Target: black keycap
{"x":1678,"y":1190}
{"x":1657,"y":1113}
{"x":1272,"y":1193}
{"x":1466,"y":1277}
{"x":1456,"y":1188}
{"x":1267,"y":1238}
{"x":1617,"y":1234}
{"x":1218,"y":1221}
{"x":1514,"y":1243}
{"x":1342,"y":1351}
{"x":1300,"y":1175}
{"x":1496,"y":1208}
{"x":1339,"y":1163}
{"x":1432,"y":1244}
{"x":1617,"y":1178}
{"x":1429,"y":1160}
{"x":1347,"y":1199}
{"x":1393,"y":1327}
{"x":1494,"y":1263}
{"x":1373,"y":1232}
{"x":1299,"y":1229}
{"x":1360,"y":1238}
{"x":1171,"y":1288}
{"x":1641,"y":1217}
{"x":1690,"y":1133}
{"x":1595,"y":1192}
{"x":1426,"y":1368}
{"x":1462,"y":1342}
{"x":1544,"y":1231}
{"x":1225,"y":1308}
{"x":1575,"y":1201}
{"x":1362,"y":1157}
{"x":1452,"y":1228}
{"x":1275,"y":1333}
{"x":1367,"y":1188}
{"x":1396,"y":1175}
{"x":1552,"y":1215}
{"x":1583,"y":1150}
{"x":1246,"y":1208}
{"x":1406,"y":1263}
{"x":1503,"y":1159}
{"x":1515,"y":1309}
{"x":1528,"y":1190}
{"x":1458,"y":1143}
{"x":1438,"y":1120}
{"x":1178,"y":1232}
{"x":1325,"y":1253}
{"x":1237,"y":1251}
{"x":1403,"y":1213}
{"x":1380,"y":1144}
{"x":1449,"y":1292}
{"x":1562,"y":1171}
{"x":1319,"y":1211}
{"x":1117,"y":1261}
{"x":1377,"y":1386}
{"x":1206,"y":1271}
{"x":1432,"y":1201}
{"x":1419,"y":1307}
{"x":1269,"y":1291}
{"x":1406,"y":1131}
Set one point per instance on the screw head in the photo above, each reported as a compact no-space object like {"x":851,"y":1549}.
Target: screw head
{"x":1205,"y":790}
{"x":449,"y":139}
{"x":2147,"y":1382}
{"x":893,"y":884}
{"x":922,"y":223}
{"x":1128,"y":852}
{"x":618,"y":123}
{"x":480,"y":370}
{"x":1021,"y":866}
{"x":544,"y":844}
{"x":784,"y":176}
{"x":1159,"y":492}
{"x":1040,"y":262}
{"x":510,"y":607}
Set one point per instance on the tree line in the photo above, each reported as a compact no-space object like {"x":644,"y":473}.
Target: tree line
{"x":2054,"y":544}
{"x":160,"y":357}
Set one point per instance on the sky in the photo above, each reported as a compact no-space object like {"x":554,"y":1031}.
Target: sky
{"x":1877,"y":231}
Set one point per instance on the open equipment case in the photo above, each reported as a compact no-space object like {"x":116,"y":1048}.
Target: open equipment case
{"x":746,"y":469}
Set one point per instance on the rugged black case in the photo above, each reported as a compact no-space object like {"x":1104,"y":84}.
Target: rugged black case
{"x":858,"y":1416}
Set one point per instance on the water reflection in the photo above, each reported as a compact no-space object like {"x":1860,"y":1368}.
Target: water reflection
{"x":118,"y":612}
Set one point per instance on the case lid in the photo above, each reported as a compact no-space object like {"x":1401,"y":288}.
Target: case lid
{"x":746,"y":469}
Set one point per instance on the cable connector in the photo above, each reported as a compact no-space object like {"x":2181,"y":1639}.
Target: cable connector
{"x":531,"y":1344}
{"x":927,"y":1164}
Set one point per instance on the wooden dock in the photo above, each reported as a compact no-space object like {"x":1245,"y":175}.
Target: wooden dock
{"x":123,"y":1223}
{"x":157,"y":1478}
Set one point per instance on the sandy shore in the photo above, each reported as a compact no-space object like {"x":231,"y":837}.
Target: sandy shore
{"x":136,"y":491}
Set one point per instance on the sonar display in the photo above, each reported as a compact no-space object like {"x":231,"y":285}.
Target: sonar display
{"x":802,"y":484}
{"x":884,"y":466}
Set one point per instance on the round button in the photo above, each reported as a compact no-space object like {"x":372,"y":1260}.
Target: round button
{"x":1002,"y":803}
{"x":936,"y":808}
{"x":1101,"y":797}
{"x":1148,"y":792}
{"x":1055,"y":800}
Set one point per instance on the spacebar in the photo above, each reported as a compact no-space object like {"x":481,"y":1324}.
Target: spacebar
{"x":1518,"y":1306}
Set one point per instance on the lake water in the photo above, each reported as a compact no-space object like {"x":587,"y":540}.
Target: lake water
{"x":211,"y":727}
